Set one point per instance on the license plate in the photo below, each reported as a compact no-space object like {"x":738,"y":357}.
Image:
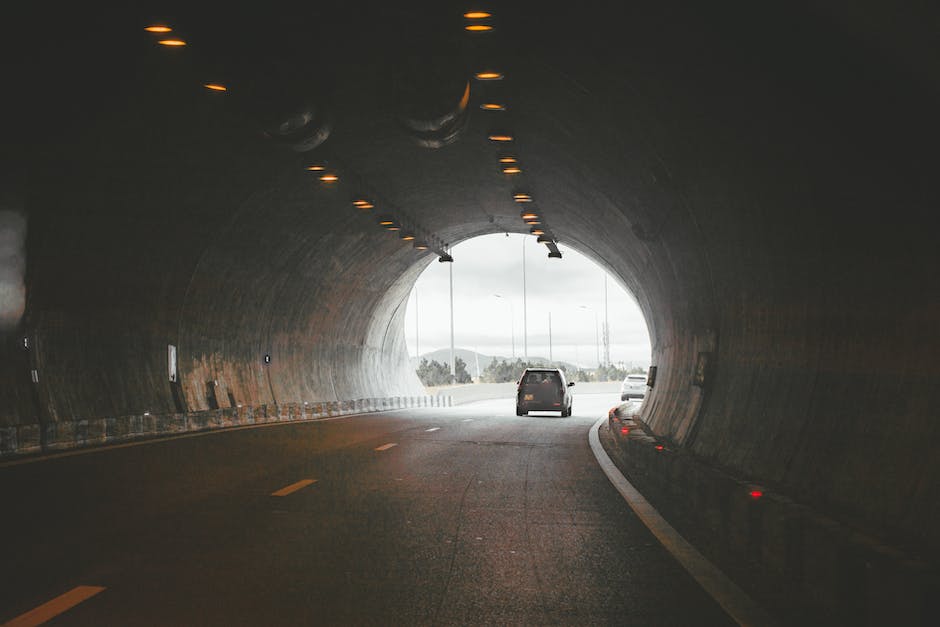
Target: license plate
{"x":528,"y":397}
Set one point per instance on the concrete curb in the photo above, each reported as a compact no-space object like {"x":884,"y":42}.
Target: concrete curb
{"x":19,"y":440}
{"x":844,"y":575}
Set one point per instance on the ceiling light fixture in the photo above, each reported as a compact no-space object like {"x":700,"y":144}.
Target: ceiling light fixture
{"x":158,"y":28}
{"x":316,"y":168}
{"x":529,"y":215}
{"x":500,"y":137}
{"x":172,"y":43}
{"x":478,"y":28}
{"x":488,"y":75}
{"x":492,"y":106}
{"x":215,"y":87}
{"x":536,"y":231}
{"x":329,"y":178}
{"x":512,"y":170}
{"x":408,"y":236}
{"x":520,"y":197}
{"x":477,"y":15}
{"x":508,"y":160}
{"x":419,"y":245}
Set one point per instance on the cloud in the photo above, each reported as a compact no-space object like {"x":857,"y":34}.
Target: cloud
{"x":571,"y":290}
{"x":12,"y":268}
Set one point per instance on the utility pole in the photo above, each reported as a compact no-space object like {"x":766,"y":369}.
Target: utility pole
{"x":550,"y":357}
{"x":606,"y":326}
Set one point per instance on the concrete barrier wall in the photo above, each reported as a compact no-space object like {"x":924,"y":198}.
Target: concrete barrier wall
{"x":70,"y":434}
{"x":470,"y":393}
{"x":839,"y":574}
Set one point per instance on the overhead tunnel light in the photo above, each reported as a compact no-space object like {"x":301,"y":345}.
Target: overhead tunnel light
{"x":329,"y":177}
{"x":362,"y":203}
{"x":408,"y":236}
{"x":512,"y":170}
{"x":215,"y":87}
{"x":529,"y":215}
{"x":477,"y":15}
{"x":316,"y":168}
{"x":489,"y":75}
{"x":420,"y":245}
{"x":522,"y":197}
{"x":478,"y":28}
{"x":500,"y":137}
{"x":492,"y":106}
{"x":537,"y":231}
{"x":158,"y":28}
{"x":172,"y":43}
{"x":508,"y":160}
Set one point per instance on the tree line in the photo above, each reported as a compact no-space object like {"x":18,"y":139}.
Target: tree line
{"x":434,"y":373}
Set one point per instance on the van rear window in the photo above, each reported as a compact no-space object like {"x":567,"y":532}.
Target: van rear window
{"x":541,"y":377}
{"x":636,"y":377}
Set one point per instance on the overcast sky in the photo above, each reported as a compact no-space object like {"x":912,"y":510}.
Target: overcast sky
{"x":492,"y":264}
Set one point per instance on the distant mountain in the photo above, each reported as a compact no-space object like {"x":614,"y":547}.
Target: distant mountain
{"x":470,"y":357}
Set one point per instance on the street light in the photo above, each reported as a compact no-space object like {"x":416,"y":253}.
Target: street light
{"x":597,"y":345}
{"x":512,"y":325}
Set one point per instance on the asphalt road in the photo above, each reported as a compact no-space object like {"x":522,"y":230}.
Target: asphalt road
{"x":472,"y":517}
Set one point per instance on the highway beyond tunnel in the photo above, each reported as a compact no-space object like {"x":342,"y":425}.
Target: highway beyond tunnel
{"x":218,"y":223}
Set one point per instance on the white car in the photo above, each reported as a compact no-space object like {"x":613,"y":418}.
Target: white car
{"x":634,"y":386}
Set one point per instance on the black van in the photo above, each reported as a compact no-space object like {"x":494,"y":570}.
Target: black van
{"x":543,"y":389}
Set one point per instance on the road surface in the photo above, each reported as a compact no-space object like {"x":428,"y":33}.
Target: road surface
{"x":434,"y":516}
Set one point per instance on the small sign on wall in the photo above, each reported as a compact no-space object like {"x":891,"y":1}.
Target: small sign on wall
{"x":171,"y":362}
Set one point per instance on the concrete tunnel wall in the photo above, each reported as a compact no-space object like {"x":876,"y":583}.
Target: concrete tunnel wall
{"x":772,"y":211}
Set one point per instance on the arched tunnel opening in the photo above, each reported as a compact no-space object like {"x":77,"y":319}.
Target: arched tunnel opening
{"x":510,"y":302}
{"x":207,"y":222}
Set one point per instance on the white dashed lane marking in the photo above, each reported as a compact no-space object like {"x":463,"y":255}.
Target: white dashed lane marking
{"x":432,"y":429}
{"x":385,"y":447}
{"x":49,"y":610}
{"x":303,"y":483}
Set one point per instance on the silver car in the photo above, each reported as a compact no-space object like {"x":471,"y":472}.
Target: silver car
{"x":634,"y":386}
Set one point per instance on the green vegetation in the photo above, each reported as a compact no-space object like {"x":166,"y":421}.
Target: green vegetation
{"x":435,"y":373}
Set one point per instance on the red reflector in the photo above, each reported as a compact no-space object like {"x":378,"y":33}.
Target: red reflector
{"x":755,"y":494}
{"x":660,"y":447}
{"x":624,"y":430}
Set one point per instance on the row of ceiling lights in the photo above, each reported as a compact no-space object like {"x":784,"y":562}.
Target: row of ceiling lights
{"x":509,"y":164}
{"x":407,"y":228}
{"x":408,"y":232}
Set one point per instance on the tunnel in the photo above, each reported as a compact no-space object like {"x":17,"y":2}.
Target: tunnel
{"x":760,"y":176}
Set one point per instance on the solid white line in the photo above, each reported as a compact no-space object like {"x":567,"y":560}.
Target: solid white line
{"x":733,"y":600}
{"x":385,"y":447}
{"x":303,"y":483}
{"x":50,"y":609}
{"x":432,"y":429}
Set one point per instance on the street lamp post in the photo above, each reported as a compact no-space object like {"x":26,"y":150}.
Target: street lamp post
{"x":597,"y":344}
{"x":512,"y":325}
{"x":525,"y":311}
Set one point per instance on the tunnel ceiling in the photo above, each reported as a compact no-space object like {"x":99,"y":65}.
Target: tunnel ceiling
{"x":761,"y":177}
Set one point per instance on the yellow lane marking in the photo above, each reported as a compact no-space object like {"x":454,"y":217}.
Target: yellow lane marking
{"x":385,"y":447}
{"x":733,"y":600}
{"x":303,"y":483}
{"x":432,"y":429}
{"x":49,"y":610}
